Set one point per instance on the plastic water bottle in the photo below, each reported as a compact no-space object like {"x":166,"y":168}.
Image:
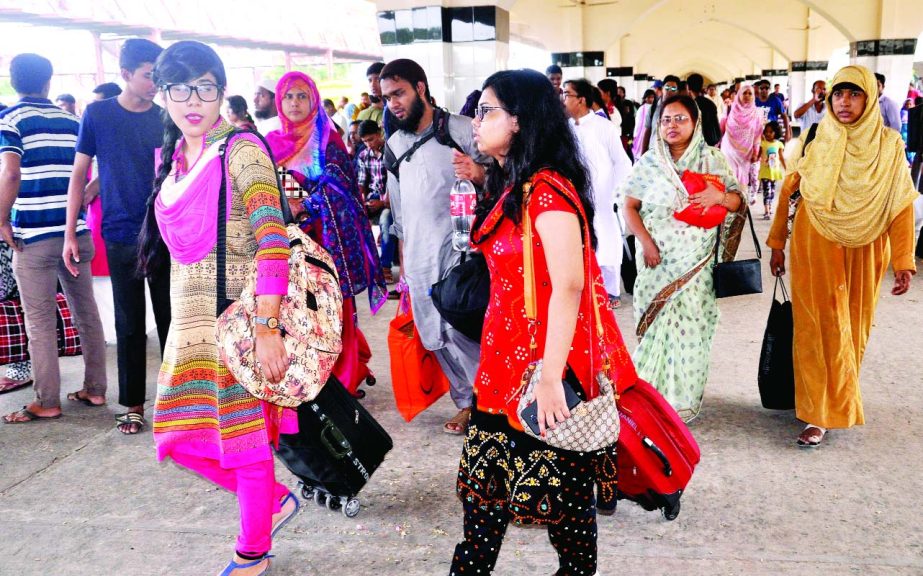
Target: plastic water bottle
{"x":463,"y":200}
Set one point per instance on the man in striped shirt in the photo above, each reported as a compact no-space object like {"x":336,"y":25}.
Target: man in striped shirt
{"x":37,"y":141}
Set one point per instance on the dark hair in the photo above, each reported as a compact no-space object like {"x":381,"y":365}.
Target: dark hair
{"x":776,"y":129}
{"x":108,"y":90}
{"x":369,"y":127}
{"x":598,"y":100}
{"x":681,"y":86}
{"x":583,"y":89}
{"x":880,"y":77}
{"x":238,"y":105}
{"x":671,"y":78}
{"x":695,"y":82}
{"x":710,"y":86}
{"x":328,"y":102}
{"x":471,"y":104}
{"x":355,"y":122}
{"x":844,"y":86}
{"x":181,"y":62}
{"x":553,"y":69}
{"x":687,"y":102}
{"x":610,"y":87}
{"x":544,"y":140}
{"x":69,"y":98}
{"x":918,"y":101}
{"x":136,"y":52}
{"x":814,"y":85}
{"x":647,"y":93}
{"x":406,"y":69}
{"x":761,"y":83}
{"x":375,"y":68}
{"x":30,"y":73}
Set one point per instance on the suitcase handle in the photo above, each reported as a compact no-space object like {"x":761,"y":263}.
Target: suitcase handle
{"x":334,"y":441}
{"x":667,"y":469}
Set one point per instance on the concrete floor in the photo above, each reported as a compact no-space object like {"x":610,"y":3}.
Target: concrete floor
{"x":77,"y":497}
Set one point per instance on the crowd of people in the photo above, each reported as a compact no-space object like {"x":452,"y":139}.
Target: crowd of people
{"x":189,"y":198}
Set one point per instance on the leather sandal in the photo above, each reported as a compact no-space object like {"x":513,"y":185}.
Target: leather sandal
{"x":459,"y":424}
{"x":811,"y":436}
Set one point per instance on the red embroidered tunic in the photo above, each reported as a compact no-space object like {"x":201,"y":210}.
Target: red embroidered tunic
{"x":505,"y":340}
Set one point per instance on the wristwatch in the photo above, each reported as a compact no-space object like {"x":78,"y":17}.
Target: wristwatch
{"x":270,"y":322}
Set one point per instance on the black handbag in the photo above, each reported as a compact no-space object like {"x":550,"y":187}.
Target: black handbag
{"x":461,"y":297}
{"x":739,"y":277}
{"x":776,"y":376}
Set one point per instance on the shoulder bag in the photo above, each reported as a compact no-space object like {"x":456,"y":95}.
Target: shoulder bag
{"x":310,"y":317}
{"x":738,"y":277}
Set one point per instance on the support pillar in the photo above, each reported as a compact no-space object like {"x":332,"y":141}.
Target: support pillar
{"x":893,"y":58}
{"x":458,"y":47}
{"x":802,"y":75}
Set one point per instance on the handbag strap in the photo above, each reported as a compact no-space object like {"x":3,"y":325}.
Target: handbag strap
{"x":780,"y":282}
{"x":528,"y":271}
{"x":221,"y":247}
{"x":756,"y":242}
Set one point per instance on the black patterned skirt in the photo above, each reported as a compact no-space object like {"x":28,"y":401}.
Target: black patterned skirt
{"x":504,"y":468}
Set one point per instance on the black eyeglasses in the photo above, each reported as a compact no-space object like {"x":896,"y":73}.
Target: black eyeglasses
{"x":484,"y":110}
{"x":183,"y":92}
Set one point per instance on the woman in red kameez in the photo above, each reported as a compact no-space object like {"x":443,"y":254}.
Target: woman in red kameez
{"x":504,"y":474}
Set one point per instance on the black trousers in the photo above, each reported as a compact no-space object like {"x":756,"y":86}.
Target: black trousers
{"x":573,"y":540}
{"x":130,"y":312}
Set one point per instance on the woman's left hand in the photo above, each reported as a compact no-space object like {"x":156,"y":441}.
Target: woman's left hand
{"x":711,"y":196}
{"x":901,"y":282}
{"x":552,"y":406}
{"x":271,"y":354}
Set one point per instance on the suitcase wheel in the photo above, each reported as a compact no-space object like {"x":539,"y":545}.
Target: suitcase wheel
{"x":318,"y":497}
{"x":307,"y":492}
{"x":671,"y":512}
{"x":332,"y":502}
{"x":351,"y":507}
{"x":370,"y":381}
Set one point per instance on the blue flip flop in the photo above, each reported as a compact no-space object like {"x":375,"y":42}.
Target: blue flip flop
{"x":283,"y":521}
{"x":234,"y":566}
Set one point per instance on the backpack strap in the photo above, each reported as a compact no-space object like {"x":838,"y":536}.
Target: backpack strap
{"x":440,"y":132}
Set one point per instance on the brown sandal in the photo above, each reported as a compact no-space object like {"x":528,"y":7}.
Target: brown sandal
{"x":811,"y":436}
{"x":25,"y":416}
{"x":459,"y":424}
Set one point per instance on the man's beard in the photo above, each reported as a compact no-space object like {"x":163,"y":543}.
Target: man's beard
{"x":414,"y":115}
{"x":263,"y":113}
{"x":374,"y":99}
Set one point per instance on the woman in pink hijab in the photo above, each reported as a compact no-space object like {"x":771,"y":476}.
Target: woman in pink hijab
{"x":743,"y":129}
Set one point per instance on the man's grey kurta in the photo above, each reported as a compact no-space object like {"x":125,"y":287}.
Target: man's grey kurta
{"x":420,"y":203}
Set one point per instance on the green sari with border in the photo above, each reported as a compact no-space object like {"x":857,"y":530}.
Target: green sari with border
{"x":674,"y":303}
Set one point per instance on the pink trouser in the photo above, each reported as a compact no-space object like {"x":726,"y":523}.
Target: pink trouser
{"x":259,"y":496}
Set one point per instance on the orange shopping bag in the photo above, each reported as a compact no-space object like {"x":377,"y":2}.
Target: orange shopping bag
{"x":416,"y":376}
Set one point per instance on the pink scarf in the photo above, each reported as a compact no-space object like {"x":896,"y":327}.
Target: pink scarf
{"x":300,"y":146}
{"x":187,"y":205}
{"x":744,"y":125}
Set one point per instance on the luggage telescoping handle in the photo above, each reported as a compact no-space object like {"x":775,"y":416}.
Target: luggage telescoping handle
{"x":649,"y":444}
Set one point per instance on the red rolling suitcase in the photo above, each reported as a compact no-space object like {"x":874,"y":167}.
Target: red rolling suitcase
{"x":656,"y":453}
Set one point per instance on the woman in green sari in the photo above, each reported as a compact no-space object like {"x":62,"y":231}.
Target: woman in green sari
{"x":674,"y":300}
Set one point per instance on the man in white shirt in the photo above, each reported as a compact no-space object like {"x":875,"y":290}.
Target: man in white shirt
{"x":608,"y":165}
{"x":264,"y":107}
{"x":814,"y":109}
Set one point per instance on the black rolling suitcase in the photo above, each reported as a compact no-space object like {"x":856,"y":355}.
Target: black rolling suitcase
{"x":336,"y":450}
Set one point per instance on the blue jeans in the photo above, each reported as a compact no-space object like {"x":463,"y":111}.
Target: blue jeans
{"x":388,"y":240}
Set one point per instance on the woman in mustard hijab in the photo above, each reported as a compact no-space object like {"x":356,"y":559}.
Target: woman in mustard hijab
{"x":855,"y":216}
